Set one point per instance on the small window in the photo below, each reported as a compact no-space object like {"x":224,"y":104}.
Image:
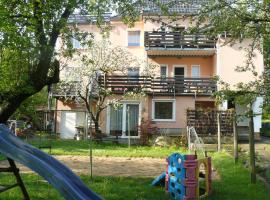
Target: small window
{"x":163,"y":110}
{"x":133,"y":72}
{"x":163,"y":71}
{"x":134,"y":38}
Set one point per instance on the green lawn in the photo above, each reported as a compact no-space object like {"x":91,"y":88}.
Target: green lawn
{"x":73,"y":147}
{"x":233,"y":184}
{"x":110,"y":188}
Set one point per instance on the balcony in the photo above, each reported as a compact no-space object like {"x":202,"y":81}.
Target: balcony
{"x":165,"y":86}
{"x":178,"y":44}
{"x":65,"y":90}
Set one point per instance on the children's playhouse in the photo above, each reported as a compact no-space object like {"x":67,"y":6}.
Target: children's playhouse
{"x":187,"y":177}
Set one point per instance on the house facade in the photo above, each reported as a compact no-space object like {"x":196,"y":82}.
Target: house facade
{"x":183,"y":79}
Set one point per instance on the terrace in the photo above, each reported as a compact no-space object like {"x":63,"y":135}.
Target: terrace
{"x":177,"y":43}
{"x":161,"y":85}
{"x":64,"y":89}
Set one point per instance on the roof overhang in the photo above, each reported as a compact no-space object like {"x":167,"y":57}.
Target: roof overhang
{"x":180,"y":52}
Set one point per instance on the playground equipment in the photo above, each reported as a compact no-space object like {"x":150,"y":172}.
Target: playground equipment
{"x":195,"y":143}
{"x":187,"y":177}
{"x":58,"y":175}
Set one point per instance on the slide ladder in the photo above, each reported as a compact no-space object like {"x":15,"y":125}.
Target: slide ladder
{"x":69,"y":185}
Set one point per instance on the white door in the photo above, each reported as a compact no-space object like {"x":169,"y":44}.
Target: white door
{"x":68,"y":124}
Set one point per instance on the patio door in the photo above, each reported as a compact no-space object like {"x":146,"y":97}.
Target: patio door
{"x":116,"y":119}
{"x":179,"y":73}
{"x":132,"y":119}
{"x":124,"y":120}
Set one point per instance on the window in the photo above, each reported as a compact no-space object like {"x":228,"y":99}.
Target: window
{"x":163,"y":71}
{"x":195,"y":71}
{"x":163,"y":110}
{"x":133,"y":72}
{"x":133,"y":76}
{"x":134,"y":38}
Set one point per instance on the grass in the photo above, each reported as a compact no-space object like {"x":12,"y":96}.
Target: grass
{"x":110,"y":188}
{"x":234,"y":183}
{"x":72,"y":147}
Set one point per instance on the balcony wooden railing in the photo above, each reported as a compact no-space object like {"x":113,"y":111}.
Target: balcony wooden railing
{"x":177,"y":40}
{"x":161,"y":86}
{"x":64,"y":89}
{"x":122,"y":84}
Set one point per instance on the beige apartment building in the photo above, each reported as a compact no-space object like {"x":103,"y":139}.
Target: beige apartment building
{"x":182,"y":80}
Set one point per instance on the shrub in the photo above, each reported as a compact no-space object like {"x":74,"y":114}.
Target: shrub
{"x":147,"y":130}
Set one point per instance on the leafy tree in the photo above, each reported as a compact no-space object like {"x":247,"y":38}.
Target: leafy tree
{"x":28,"y":108}
{"x":101,"y":59}
{"x":241,"y":20}
{"x":29,"y":30}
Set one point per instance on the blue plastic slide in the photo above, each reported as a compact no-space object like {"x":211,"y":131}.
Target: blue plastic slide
{"x":57,"y":174}
{"x":160,"y":180}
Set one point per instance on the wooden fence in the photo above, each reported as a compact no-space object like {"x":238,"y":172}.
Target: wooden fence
{"x":206,"y":121}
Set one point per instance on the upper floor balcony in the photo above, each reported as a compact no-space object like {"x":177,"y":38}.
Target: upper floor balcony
{"x":166,"y":86}
{"x":163,"y":86}
{"x":178,"y":44}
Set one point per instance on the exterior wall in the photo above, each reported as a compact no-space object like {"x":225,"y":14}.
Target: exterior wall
{"x":206,"y":65}
{"x":146,"y":106}
{"x":232,"y":56}
{"x":181,"y":105}
{"x":223,"y":64}
{"x":61,"y":109}
{"x":155,"y":26}
{"x":143,"y":105}
{"x":228,"y":58}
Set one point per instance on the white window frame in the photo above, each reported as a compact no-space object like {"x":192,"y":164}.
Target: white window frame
{"x":124,"y":131}
{"x":140,"y":43}
{"x":199,"y":71}
{"x":179,"y":66}
{"x":173,"y":111}
{"x":167,"y":70}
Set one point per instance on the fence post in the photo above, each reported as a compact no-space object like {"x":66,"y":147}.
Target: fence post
{"x":219,"y":132}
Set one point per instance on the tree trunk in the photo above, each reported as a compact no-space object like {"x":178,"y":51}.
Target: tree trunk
{"x":8,"y":106}
{"x":235,"y":141}
{"x":97,"y":131}
{"x":10,"y":101}
{"x":252,"y":147}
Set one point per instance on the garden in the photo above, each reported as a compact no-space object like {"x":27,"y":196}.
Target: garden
{"x":231,"y":180}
